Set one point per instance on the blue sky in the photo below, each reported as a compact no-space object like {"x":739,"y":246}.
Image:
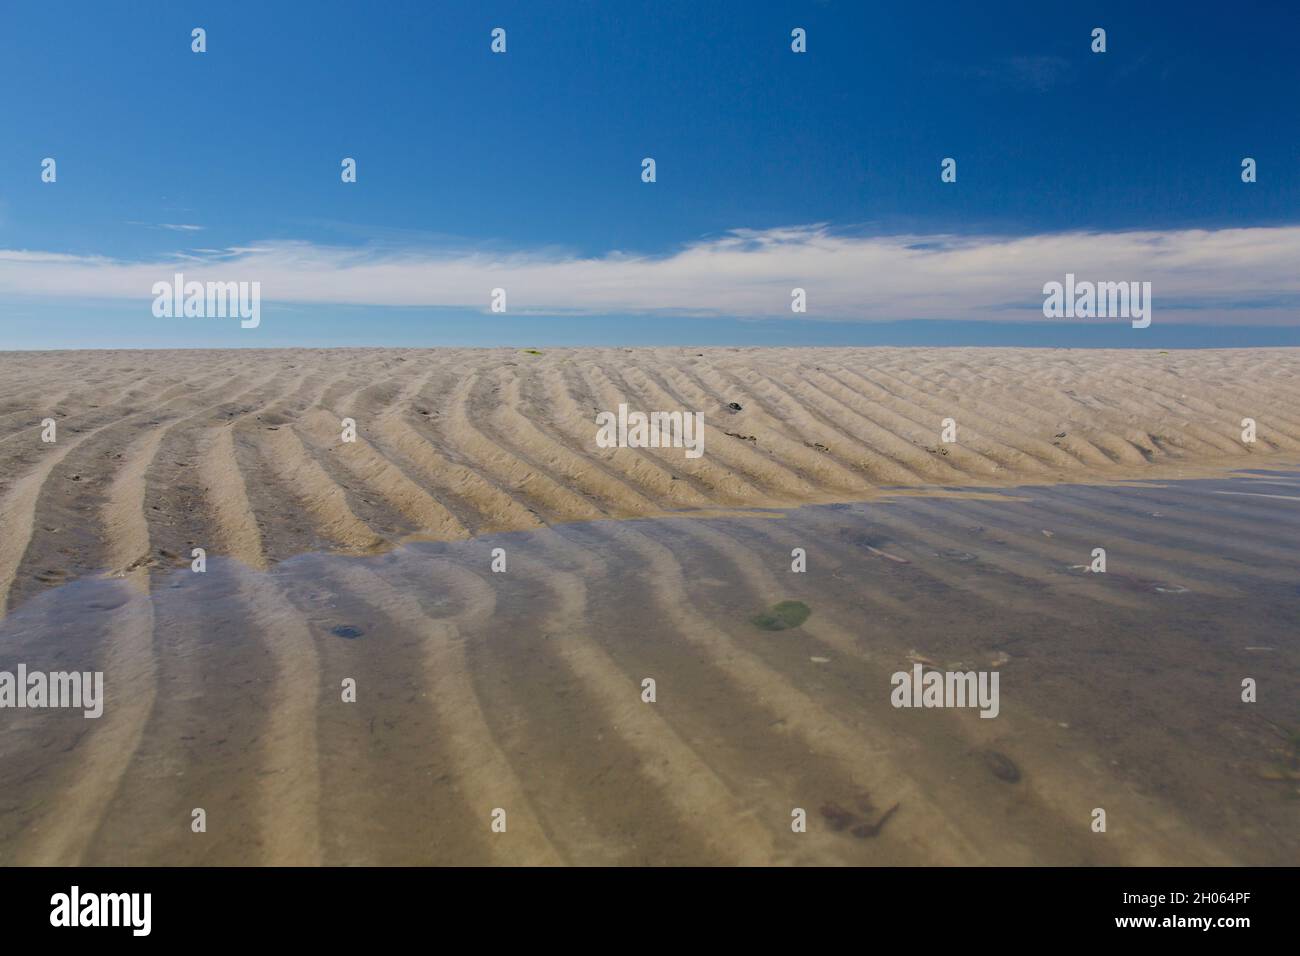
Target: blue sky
{"x":523,"y":169}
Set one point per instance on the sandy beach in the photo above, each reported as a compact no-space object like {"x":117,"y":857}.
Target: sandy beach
{"x":368,"y":560}
{"x":240,"y":452}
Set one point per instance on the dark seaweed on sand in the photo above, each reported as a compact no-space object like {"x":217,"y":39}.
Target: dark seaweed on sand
{"x":782,"y":616}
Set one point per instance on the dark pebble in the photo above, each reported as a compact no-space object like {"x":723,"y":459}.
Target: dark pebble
{"x":836,"y":816}
{"x":1001,"y":766}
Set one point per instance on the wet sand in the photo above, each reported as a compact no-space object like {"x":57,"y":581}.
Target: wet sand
{"x":521,"y":690}
{"x":239,"y":451}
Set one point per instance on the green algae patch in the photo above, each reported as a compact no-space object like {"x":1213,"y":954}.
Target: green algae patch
{"x":781,"y":617}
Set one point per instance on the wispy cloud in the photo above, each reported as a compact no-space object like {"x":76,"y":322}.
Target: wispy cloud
{"x":1243,"y":275}
{"x":170,"y":226}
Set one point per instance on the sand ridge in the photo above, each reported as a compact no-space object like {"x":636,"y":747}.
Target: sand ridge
{"x":240,"y":451}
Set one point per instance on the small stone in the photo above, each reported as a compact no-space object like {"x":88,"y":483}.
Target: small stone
{"x":864,"y":830}
{"x":836,"y":816}
{"x":1001,"y":766}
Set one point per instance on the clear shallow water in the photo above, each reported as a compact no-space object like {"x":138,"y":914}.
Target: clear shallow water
{"x":522,"y":691}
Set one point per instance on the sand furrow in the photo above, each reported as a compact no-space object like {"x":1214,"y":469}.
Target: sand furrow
{"x":578,"y":468}
{"x":483,"y":771}
{"x":130,"y":678}
{"x":19,"y":506}
{"x":509,"y":469}
{"x":1194,"y":559}
{"x":772,"y":475}
{"x":789,"y":441}
{"x":710,"y":483}
{"x":578,"y":430}
{"x":1059,"y":807}
{"x":301,"y":476}
{"x":288,"y":791}
{"x":381,"y":476}
{"x":717,"y":817}
{"x":983,"y":432}
{"x":864,"y":757}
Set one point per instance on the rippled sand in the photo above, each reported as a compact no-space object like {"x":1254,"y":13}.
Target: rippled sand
{"x":522,"y":690}
{"x":239,"y":451}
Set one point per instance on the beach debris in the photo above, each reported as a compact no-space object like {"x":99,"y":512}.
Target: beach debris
{"x":836,"y":816}
{"x":347,"y":631}
{"x":952,"y":554}
{"x":1061,"y":435}
{"x":1001,"y":658}
{"x":1001,"y":766}
{"x":1261,"y":648}
{"x":866,"y":542}
{"x":818,"y":445}
{"x":1048,"y":534}
{"x":1169,"y":588}
{"x":839,"y":818}
{"x":741,"y":437}
{"x":1278,"y":773}
{"x":532,"y":351}
{"x":144,"y":561}
{"x":864,"y":830}
{"x":782,"y":616}
{"x":820,"y":660}
{"x":916,"y":657}
{"x":734,"y":406}
{"x":886,"y":554}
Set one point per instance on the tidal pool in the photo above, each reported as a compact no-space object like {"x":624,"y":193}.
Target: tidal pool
{"x":670,"y":691}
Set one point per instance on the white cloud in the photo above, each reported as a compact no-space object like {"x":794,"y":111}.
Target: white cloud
{"x":1248,"y":276}
{"x":172,"y":226}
